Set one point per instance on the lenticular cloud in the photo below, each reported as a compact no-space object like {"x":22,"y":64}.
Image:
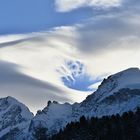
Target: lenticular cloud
{"x":68,"y":5}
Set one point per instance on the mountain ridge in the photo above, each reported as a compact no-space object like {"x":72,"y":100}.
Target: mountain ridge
{"x":116,"y":94}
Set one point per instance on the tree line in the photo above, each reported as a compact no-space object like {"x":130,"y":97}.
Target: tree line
{"x":115,"y":127}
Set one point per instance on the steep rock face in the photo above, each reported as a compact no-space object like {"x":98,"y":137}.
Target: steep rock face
{"x":128,"y":79}
{"x":14,"y":117}
{"x":119,"y":102}
{"x":116,"y":94}
{"x":52,"y":117}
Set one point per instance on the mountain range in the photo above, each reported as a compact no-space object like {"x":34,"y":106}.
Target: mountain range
{"x":117,"y":94}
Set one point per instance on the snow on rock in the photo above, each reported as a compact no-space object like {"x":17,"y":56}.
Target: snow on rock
{"x":14,"y":116}
{"x":53,"y":117}
{"x":113,"y":96}
{"x":116,"y":94}
{"x":95,"y":102}
{"x":118,"y":81}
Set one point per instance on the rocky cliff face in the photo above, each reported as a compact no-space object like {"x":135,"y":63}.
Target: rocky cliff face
{"x":116,"y":94}
{"x":97,"y":104}
{"x":14,"y":117}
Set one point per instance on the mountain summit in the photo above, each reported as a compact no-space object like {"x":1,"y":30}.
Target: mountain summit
{"x":116,"y":94}
{"x":15,"y":117}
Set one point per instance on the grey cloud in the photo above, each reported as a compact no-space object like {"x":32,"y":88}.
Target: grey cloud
{"x":34,"y":38}
{"x":100,"y":33}
{"x":29,"y":90}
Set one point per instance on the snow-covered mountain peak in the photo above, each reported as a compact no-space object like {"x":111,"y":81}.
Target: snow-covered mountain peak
{"x":129,"y":78}
{"x":13,"y":116}
{"x":50,"y":105}
{"x":52,"y":117}
{"x":116,"y":94}
{"x":101,"y":102}
{"x":10,"y":99}
{"x":11,"y":102}
{"x":130,"y":70}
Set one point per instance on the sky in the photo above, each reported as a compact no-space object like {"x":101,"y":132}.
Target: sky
{"x":62,"y":49}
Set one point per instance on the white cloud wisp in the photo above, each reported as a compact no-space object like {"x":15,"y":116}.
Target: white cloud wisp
{"x":69,"y":5}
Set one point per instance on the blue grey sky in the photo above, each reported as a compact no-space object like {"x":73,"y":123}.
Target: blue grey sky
{"x":34,"y":15}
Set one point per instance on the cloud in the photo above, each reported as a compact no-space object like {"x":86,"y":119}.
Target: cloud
{"x":33,"y":92}
{"x":107,"y":33}
{"x":29,"y":68}
{"x":40,"y":56}
{"x":68,"y":5}
{"x":105,"y":44}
